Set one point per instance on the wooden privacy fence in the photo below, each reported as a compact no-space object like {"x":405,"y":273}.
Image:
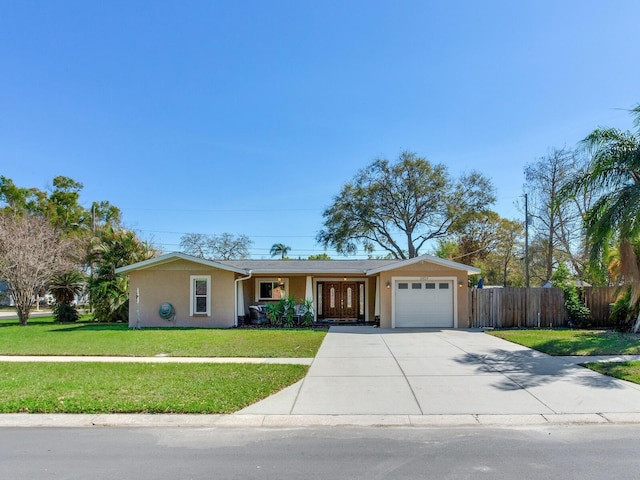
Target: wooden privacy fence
{"x":534,"y":307}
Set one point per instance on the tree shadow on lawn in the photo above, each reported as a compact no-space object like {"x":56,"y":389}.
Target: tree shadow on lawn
{"x":114,"y":327}
{"x":530,"y":368}
{"x":605,"y":342}
{"x":68,"y":327}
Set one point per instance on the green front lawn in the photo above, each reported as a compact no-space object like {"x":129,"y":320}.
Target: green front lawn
{"x":574,"y":342}
{"x":583,"y":342}
{"x":139,"y":387}
{"x":44,"y":337}
{"x":629,"y":371}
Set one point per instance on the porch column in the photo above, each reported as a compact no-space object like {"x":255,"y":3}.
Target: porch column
{"x":308,"y":295}
{"x":240,"y":300}
{"x":376,"y":313}
{"x":308,"y":292}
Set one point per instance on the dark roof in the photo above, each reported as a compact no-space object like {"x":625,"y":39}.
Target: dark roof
{"x":308,"y":266}
{"x":336,"y":267}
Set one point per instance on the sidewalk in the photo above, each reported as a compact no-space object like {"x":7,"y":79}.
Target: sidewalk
{"x":18,"y":420}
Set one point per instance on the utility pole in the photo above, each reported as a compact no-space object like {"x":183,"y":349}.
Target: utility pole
{"x":526,"y":240}
{"x":93,"y":218}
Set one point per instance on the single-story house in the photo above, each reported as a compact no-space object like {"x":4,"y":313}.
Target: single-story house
{"x":185,"y":291}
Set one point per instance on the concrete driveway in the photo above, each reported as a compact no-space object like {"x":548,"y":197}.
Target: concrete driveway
{"x":372,"y":371}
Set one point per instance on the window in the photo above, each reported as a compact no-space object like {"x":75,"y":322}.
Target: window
{"x":271,"y":288}
{"x":443,"y":286}
{"x":430,"y":286}
{"x":200,"y":292}
{"x":403,"y":286}
{"x":416,"y":286}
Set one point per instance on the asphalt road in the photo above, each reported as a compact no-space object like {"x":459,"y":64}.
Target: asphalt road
{"x":558,"y":452}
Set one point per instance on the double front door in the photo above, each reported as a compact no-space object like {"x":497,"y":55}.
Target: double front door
{"x":341,"y":300}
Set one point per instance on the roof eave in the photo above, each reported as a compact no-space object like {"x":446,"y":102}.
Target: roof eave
{"x":173,"y":256}
{"x":426,"y":258}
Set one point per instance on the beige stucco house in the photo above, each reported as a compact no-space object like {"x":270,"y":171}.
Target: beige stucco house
{"x":179,"y":290}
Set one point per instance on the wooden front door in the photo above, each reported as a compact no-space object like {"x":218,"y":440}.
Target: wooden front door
{"x":340,"y":300}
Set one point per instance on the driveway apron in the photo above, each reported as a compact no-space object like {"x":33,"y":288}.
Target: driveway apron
{"x":373,"y":371}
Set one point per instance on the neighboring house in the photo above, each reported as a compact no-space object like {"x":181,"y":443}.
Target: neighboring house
{"x":425,"y":291}
{"x":5,"y":298}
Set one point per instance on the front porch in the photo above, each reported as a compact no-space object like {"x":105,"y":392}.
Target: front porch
{"x":333,"y":300}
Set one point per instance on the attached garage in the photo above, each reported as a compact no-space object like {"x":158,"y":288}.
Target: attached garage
{"x":424,"y":303}
{"x":420,"y":292}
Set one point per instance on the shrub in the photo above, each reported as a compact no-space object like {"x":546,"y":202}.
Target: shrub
{"x":579,"y":313}
{"x":622,"y":315}
{"x":289,"y":310}
{"x":307,"y":315}
{"x":65,"y":312}
{"x":275,"y":311}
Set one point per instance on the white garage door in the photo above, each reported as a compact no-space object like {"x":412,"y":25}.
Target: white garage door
{"x":424,"y":304}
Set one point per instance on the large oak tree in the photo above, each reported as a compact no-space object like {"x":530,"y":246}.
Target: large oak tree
{"x":400,"y":206}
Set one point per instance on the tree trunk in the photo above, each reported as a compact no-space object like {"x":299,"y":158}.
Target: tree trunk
{"x":411,"y":246}
{"x":23,"y":316}
{"x":504,"y":278}
{"x":23,"y":299}
{"x":549,"y":259}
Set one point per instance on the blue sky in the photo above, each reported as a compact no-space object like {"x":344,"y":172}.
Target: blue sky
{"x":247,"y":117}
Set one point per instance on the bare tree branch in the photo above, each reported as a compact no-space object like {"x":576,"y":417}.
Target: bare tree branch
{"x":31,"y":252}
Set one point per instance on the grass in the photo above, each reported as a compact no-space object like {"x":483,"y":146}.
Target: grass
{"x":583,"y":342}
{"x":574,"y":342}
{"x":139,"y":387}
{"x":44,"y":337}
{"x":629,"y":371}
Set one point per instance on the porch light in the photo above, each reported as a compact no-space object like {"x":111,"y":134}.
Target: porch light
{"x":388,"y":284}
{"x":460,"y":284}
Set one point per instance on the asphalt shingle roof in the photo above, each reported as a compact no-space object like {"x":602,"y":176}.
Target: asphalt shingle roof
{"x":308,"y":266}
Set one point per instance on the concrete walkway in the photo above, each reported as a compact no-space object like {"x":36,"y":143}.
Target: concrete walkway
{"x":366,"y":376}
{"x":460,"y":374}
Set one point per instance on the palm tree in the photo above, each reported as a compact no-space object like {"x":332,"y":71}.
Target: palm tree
{"x":64,"y":287}
{"x":279,"y":249}
{"x":109,"y":291}
{"x":614,"y":174}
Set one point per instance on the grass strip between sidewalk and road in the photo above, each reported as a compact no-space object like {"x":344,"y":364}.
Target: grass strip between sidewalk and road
{"x":44,"y":337}
{"x":138,"y":387}
{"x":574,"y":342}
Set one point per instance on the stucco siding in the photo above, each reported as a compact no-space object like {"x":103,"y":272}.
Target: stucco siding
{"x":424,"y":270}
{"x":169,"y":279}
{"x":171,"y":283}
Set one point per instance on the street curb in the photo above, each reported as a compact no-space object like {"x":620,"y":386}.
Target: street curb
{"x":17,"y":420}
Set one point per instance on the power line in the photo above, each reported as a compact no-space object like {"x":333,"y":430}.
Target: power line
{"x":220,"y":210}
{"x":252,"y":236}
